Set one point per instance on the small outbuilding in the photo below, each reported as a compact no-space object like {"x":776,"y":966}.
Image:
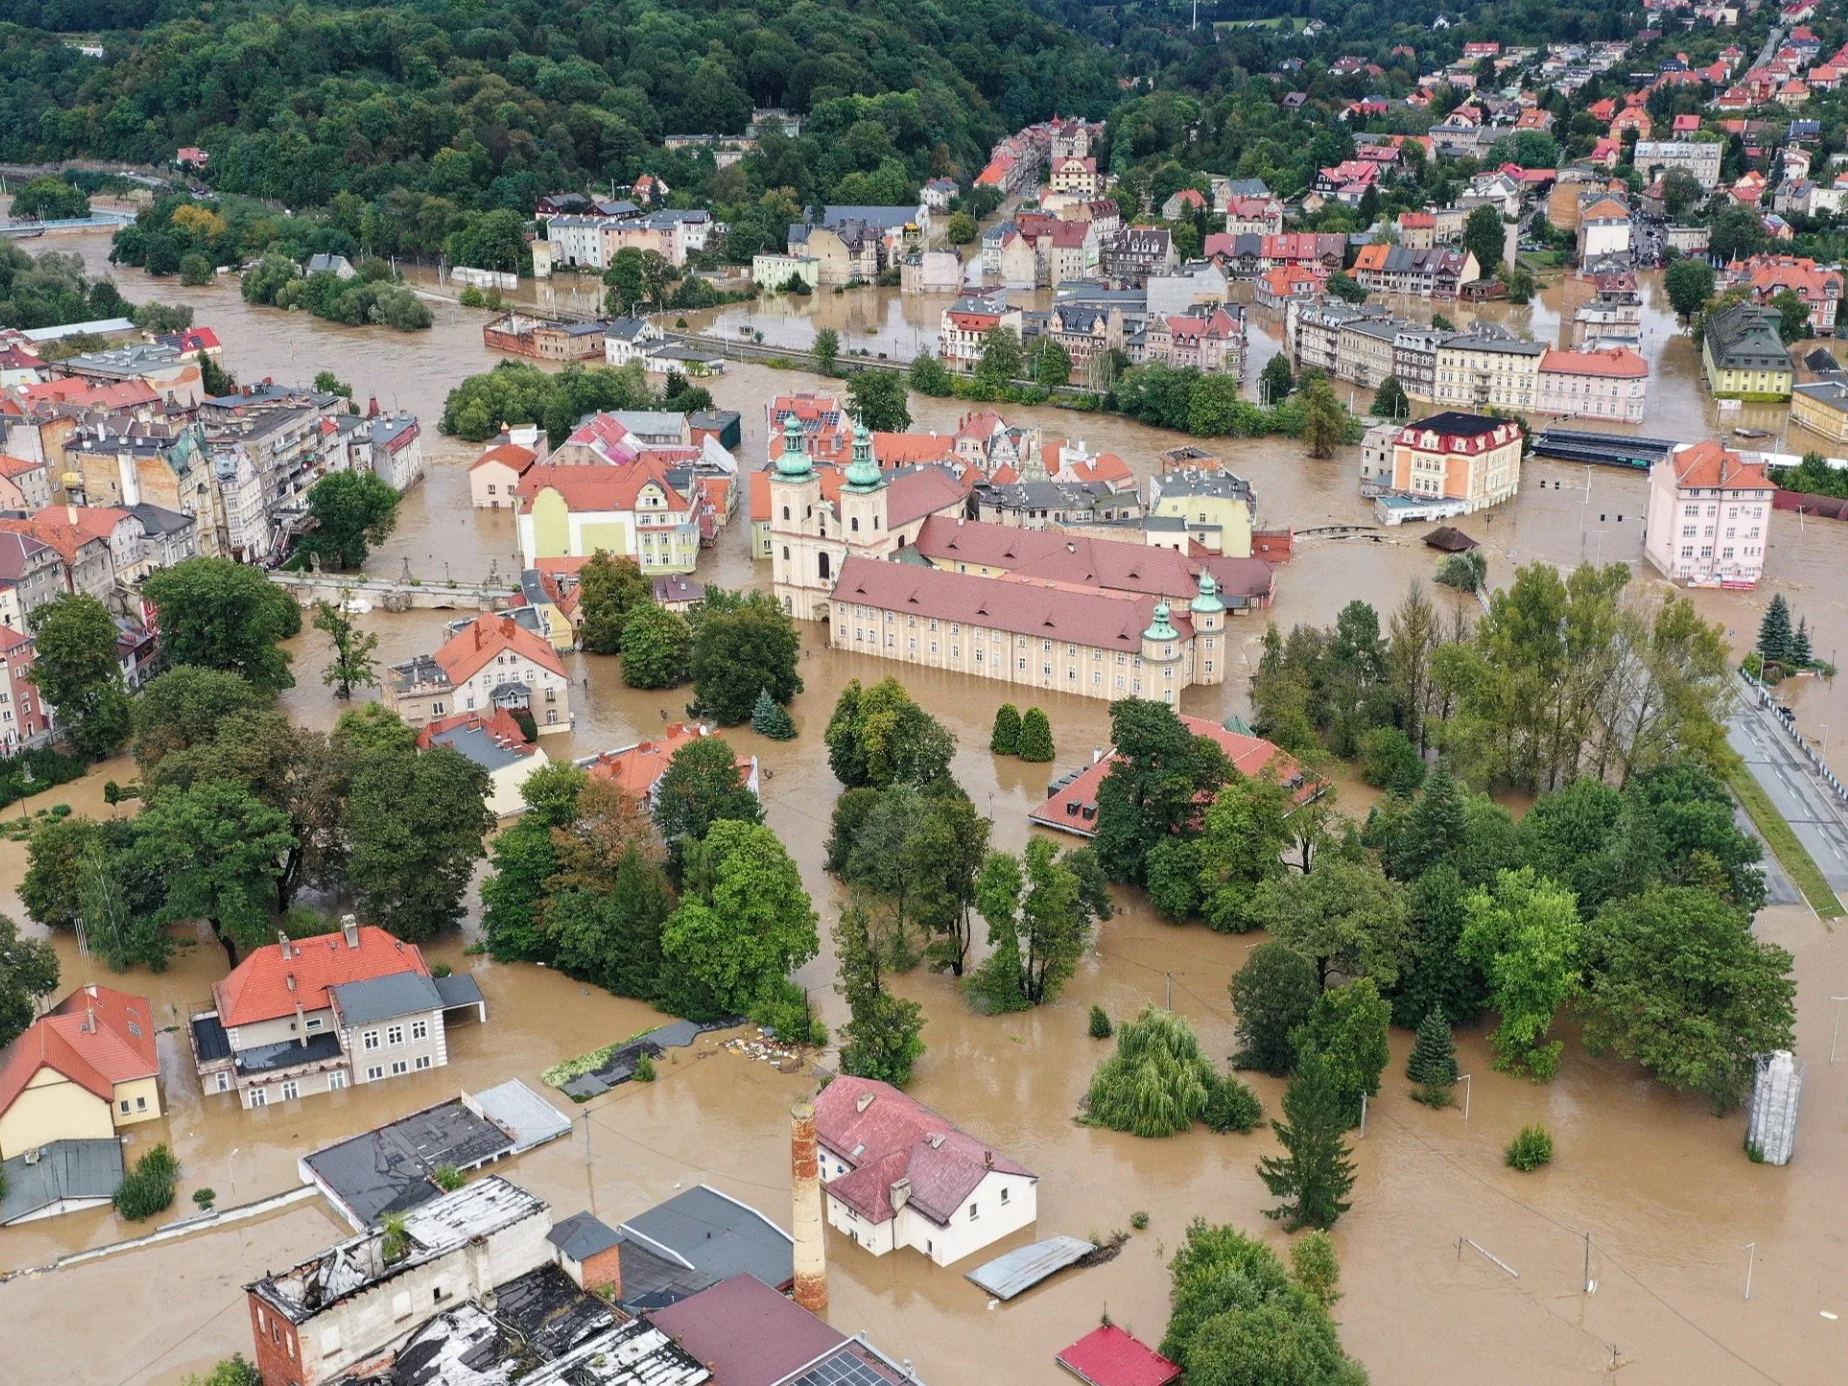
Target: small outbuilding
{"x":1108,"y":1356}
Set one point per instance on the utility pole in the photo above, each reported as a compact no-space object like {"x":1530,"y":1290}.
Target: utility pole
{"x":1838,"y":1025}
{"x":1750,"y":1260}
{"x":1590,"y":1284}
{"x":1464,"y":1079}
{"x":590,"y":1182}
{"x":1170,"y":977}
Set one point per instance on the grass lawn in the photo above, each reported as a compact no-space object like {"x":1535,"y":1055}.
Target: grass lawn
{"x":1796,"y":860}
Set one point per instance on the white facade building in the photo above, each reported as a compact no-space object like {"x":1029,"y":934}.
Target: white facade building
{"x":1709,"y":520}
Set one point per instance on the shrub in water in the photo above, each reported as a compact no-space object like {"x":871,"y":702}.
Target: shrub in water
{"x":1531,"y":1147}
{"x":1100,"y":1023}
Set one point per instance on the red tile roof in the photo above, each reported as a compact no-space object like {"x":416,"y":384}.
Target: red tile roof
{"x":901,"y":449}
{"x":17,"y":466}
{"x":1708,"y":465}
{"x":259,"y":987}
{"x":1250,"y":755}
{"x":884,"y":1135}
{"x":488,"y":636}
{"x":928,"y":490}
{"x":499,"y":724}
{"x":634,"y":769}
{"x":1107,"y":1356}
{"x":1609,"y":361}
{"x":598,"y":488}
{"x":746,"y":1333}
{"x":511,"y":454}
{"x":96,"y":1037}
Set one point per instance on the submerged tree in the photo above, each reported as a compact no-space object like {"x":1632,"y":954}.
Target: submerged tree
{"x":1433,"y":1064}
{"x":1156,"y":1083}
{"x":881,"y":1040}
{"x":353,"y":650}
{"x":1040,"y":908}
{"x":1314,"y":1175}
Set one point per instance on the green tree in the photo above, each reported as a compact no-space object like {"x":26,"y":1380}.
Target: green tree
{"x":1390,"y":400}
{"x":627,"y":281}
{"x":1346,"y":288}
{"x":742,"y":644}
{"x":929,"y":376}
{"x":1526,"y":936}
{"x":610,"y":587}
{"x":49,"y":198}
{"x":219,"y":614}
{"x":1052,"y":364}
{"x":1035,"y":742}
{"x":416,"y":820}
{"x":353,"y":650}
{"x":769,"y":718}
{"x":879,"y":736}
{"x":1800,"y":652}
{"x":1347,"y":1028}
{"x":1689,"y":283}
{"x":877,"y":399}
{"x":1002,"y":361}
{"x":1004,"y":740}
{"x":744,"y":924}
{"x":1242,"y":841}
{"x":230,"y":1371}
{"x":1484,"y":236}
{"x":219,"y":849}
{"x":1153,"y":790}
{"x":1325,"y":420}
{"x":1680,"y":191}
{"x":1345,"y":916}
{"x":1273,"y":993}
{"x":701,"y":785}
{"x":657,"y":647}
{"x":196,"y":271}
{"x":351,"y":511}
{"x":962,"y":228}
{"x":327,"y":383}
{"x":1156,"y":1082}
{"x":76,"y":671}
{"x":1313,"y":1264}
{"x":1433,"y":1064}
{"x":1520,"y":282}
{"x":827,"y":350}
{"x":1276,"y":380}
{"x":1793,"y":316}
{"x":1389,"y":760}
{"x":881,"y":1039}
{"x":28,"y":974}
{"x":1776,"y":640}
{"x":1314,"y":1175}
{"x":1039,"y":923}
{"x":1676,"y":982}
{"x":513,"y":895}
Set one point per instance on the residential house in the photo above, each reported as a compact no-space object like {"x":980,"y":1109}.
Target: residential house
{"x":1275,"y":286}
{"x":1261,"y":216}
{"x":896,"y":1174}
{"x":1418,"y":230}
{"x":310,"y":1015}
{"x":938,"y":193}
{"x":1213,"y":342}
{"x":1603,"y":229}
{"x":25,"y":719}
{"x":1085,"y":332}
{"x":82,"y":1071}
{"x":773,"y":269}
{"x":1072,"y":174}
{"x":629,"y":339}
{"x":1184,"y":203}
{"x":80,"y":541}
{"x":1486,"y":367}
{"x":1438,"y":272}
{"x":1606,"y":383}
{"x":1364,"y":350}
{"x":634,"y":511}
{"x":25,"y":484}
{"x":1217,"y":507}
{"x":1709,"y":518}
{"x":1818,"y":286}
{"x":1469,"y":458}
{"x":493,"y":476}
{"x":492,"y":662}
{"x":495,"y":742}
{"x":1138,"y":252}
{"x":1822,"y":408}
{"x":1743,"y":355}
{"x":747,"y":1334}
{"x":846,"y":253}
{"x":544,"y":339}
{"x":31,"y":574}
{"x":637,"y":769}
{"x":966,"y":321}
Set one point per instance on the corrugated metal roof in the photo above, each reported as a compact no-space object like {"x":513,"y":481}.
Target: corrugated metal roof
{"x":1024,"y":1267}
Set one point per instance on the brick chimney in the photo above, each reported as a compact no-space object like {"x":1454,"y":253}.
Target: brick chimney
{"x":349,"y":928}
{"x":811,"y":1257}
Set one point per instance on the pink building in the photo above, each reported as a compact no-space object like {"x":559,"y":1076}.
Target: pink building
{"x":1606,"y":384}
{"x":1709,"y":517}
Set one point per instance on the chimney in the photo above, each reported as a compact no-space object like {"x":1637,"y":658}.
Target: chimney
{"x":811,"y":1257}
{"x":70,"y":515}
{"x":349,"y":926}
{"x":372,"y":407}
{"x":988,"y":1159}
{"x":282,"y":942}
{"x":89,"y":1020}
{"x":288,"y":979}
{"x":863,"y":1101}
{"x":901,"y":1194}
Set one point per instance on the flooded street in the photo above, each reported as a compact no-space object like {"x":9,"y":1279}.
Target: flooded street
{"x":1662,"y":1187}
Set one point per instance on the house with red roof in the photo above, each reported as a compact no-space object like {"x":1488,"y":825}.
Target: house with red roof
{"x":312,"y":1015}
{"x":634,"y":511}
{"x":897,"y":1174}
{"x":1111,"y":1356}
{"x":492,"y":662}
{"x":636,"y":769}
{"x":495,"y":742}
{"x":1607,"y":383}
{"x":493,"y":476}
{"x":1709,"y":518}
{"x":746,"y":1334}
{"x":80,"y":1072}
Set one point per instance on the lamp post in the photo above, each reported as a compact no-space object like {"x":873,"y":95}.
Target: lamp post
{"x":1464,"y":1080}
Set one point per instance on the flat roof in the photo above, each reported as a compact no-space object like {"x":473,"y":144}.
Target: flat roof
{"x":388,"y":1169}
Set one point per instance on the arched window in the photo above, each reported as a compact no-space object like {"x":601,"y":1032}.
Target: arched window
{"x":855,"y":523}
{"x":786,"y":512}
{"x":822,"y":561}
{"x":786,"y":553}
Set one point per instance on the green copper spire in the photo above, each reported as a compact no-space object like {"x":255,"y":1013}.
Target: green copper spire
{"x":863,"y":472}
{"x":1208,"y":601}
{"x":1159,"y":629}
{"x":794,"y":463}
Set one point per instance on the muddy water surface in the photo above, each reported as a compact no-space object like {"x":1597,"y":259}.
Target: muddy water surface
{"x":1662,"y":1187}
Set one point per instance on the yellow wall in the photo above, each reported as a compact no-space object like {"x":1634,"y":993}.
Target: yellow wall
{"x":52,"y":1108}
{"x":551,"y":525}
{"x":1819,"y":418}
{"x":612,"y":536}
{"x":1233,"y":517}
{"x":133,"y":1092}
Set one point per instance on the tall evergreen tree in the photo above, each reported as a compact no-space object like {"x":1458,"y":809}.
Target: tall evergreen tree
{"x":1314,"y":1175}
{"x":881,"y":1040}
{"x":1800,"y":652}
{"x":770,"y":718}
{"x":1005,"y":739}
{"x":1433,"y":1065}
{"x":1775,"y":638}
{"x":1035,"y":736}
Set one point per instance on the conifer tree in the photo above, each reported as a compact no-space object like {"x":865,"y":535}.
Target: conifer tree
{"x":1774,"y":635}
{"x":1433,"y":1065}
{"x":1035,"y":736}
{"x":1800,"y":653}
{"x":1314,"y":1175}
{"x":770,"y":718}
{"x":1005,"y":739}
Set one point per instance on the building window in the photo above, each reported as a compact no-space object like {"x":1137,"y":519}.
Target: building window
{"x":423,"y":1061}
{"x":370,"y":1039}
{"x":1004,"y":1193}
{"x":315,"y":1023}
{"x":374,"y":1073}
{"x":291,"y":1089}
{"x":336,"y":1080}
{"x":394,"y":1035}
{"x":125,"y":1106}
{"x":420,"y":1029}
{"x":399,"y":1066}
{"x":975,"y":1211}
{"x":141,"y":1104}
{"x":224,"y":1082}
{"x":259,"y":1097}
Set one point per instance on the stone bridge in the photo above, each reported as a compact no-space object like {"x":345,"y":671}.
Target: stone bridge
{"x":405,"y":593}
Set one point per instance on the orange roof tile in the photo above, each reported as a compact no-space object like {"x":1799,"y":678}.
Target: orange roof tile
{"x":96,"y":1037}
{"x":488,"y":636}
{"x":1708,"y":465}
{"x":596,"y":488}
{"x":1609,"y":361}
{"x":511,"y":454}
{"x":258,"y":988}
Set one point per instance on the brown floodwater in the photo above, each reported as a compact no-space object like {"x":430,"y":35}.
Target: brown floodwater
{"x":1663,"y":1188}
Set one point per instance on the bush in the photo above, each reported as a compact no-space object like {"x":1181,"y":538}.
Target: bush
{"x":1389,"y":760}
{"x":1139,"y":1221}
{"x":1004,"y":740}
{"x":1531,"y":1148}
{"x":1156,"y":1083}
{"x":1101,"y":1027}
{"x":1231,"y":1106}
{"x":784,"y":1010}
{"x":205,"y":1198}
{"x":441,"y":969}
{"x":471,"y":297}
{"x":447,"y":1178}
{"x":644,"y":1068}
{"x":1035,"y":736}
{"x":148,"y":1188}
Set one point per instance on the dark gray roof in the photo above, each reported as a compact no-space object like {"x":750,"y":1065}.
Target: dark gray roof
{"x":155,"y":520}
{"x":582,"y":1235}
{"x":273,"y":1058}
{"x":381,"y":998}
{"x":484,"y":748}
{"x":716,"y":1235}
{"x":387,"y":1169}
{"x":64,"y":1169}
{"x":458,"y":989}
{"x":210,"y":1040}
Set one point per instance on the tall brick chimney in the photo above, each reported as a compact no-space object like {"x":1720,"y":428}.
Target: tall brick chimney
{"x":805,"y":1185}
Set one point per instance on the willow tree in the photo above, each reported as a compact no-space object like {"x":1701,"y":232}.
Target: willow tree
{"x":1156,"y":1083}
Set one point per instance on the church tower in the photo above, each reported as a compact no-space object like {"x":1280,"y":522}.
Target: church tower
{"x":863,"y":501}
{"x":1161,"y":657}
{"x":801,"y":569}
{"x":1208,"y":613}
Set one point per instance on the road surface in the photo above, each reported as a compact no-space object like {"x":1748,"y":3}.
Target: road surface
{"x":1785,"y":773}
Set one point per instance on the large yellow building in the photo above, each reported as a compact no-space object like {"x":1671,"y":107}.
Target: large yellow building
{"x":80,"y":1072}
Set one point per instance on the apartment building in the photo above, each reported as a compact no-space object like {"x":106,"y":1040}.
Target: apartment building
{"x":1709,"y":518}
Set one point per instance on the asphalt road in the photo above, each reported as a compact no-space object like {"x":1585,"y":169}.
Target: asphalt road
{"x":1794,"y":789}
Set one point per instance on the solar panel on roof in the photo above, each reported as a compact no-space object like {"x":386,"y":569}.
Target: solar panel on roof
{"x":843,"y":1369}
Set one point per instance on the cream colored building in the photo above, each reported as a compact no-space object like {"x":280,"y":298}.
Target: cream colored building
{"x":1481,"y":369}
{"x":1822,"y":408}
{"x":1456,"y":456}
{"x":82,"y":1071}
{"x":1216,"y":506}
